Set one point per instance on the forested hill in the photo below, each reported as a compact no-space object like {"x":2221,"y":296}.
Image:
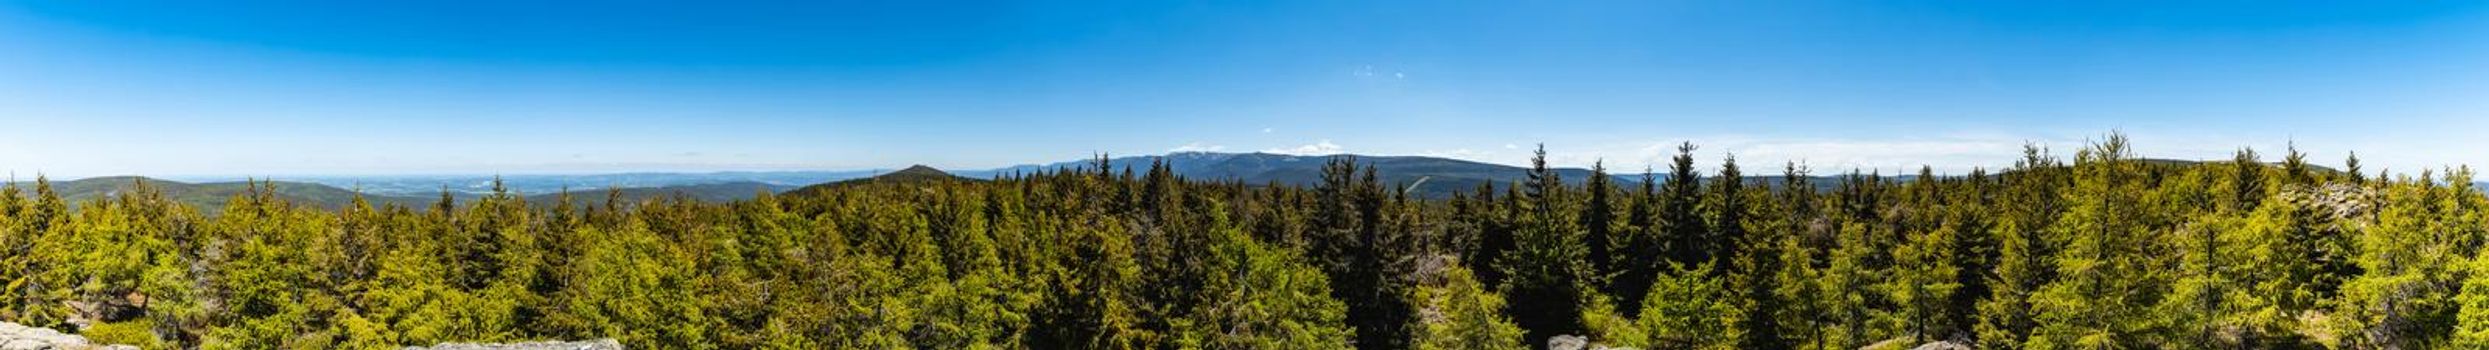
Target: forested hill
{"x":918,"y":175}
{"x":211,"y":196}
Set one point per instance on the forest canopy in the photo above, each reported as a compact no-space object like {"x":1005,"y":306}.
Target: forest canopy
{"x":2103,"y":250}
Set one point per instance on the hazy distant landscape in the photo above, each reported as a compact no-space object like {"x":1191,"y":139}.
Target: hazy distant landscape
{"x":1423,"y":177}
{"x":1427,"y":177}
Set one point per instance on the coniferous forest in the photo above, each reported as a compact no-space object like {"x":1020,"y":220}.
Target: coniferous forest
{"x":2105,"y":250}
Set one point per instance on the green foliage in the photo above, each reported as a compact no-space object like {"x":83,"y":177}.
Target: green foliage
{"x":630,"y":286}
{"x":137,"y":332}
{"x":1844,"y":289}
{"x":2111,"y":251}
{"x":1548,"y":273}
{"x":2471,"y":330}
{"x":1689,"y":309}
{"x":1465,"y":316}
{"x":2026,"y":203}
{"x":2108,"y":268}
{"x":2412,"y":267}
{"x":1922,"y":281}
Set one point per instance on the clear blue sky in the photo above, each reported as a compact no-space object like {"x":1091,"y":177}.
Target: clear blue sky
{"x":360,"y":87}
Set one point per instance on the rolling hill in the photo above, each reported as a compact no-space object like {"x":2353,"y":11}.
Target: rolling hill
{"x":912,"y":174}
{"x":430,"y":186}
{"x":210,"y":197}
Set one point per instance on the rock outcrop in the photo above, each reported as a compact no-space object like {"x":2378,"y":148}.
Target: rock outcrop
{"x":20,"y":337}
{"x":1576,"y":342}
{"x":1942,"y":345}
{"x":599,"y":344}
{"x":1567,"y":342}
{"x":2334,"y":202}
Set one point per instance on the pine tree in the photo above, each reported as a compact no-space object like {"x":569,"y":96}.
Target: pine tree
{"x":1679,"y":235}
{"x":2350,"y":167}
{"x":1548,"y":273}
{"x":1642,"y":253}
{"x":1689,"y":308}
{"x":1725,"y":212}
{"x":2404,"y":296}
{"x":1923,"y":281}
{"x":1785,"y":296}
{"x":1599,"y":219}
{"x":1758,"y":267}
{"x":16,"y":252}
{"x":38,"y":222}
{"x":2295,"y":169}
{"x":1845,"y":287}
{"x":1264,"y":298}
{"x":1689,"y":241}
{"x":1806,"y":318}
{"x":1380,"y":254}
{"x":2471,"y":324}
{"x":2108,"y":269}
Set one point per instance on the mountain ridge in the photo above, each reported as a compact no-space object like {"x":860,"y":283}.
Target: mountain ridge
{"x":915,"y":174}
{"x":1424,"y":176}
{"x":1427,"y":177}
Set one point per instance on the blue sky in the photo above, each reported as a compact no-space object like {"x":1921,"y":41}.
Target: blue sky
{"x":367,"y":87}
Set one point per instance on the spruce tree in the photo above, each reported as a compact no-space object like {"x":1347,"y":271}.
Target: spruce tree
{"x":1679,"y":235}
{"x":2025,"y":252}
{"x":2108,"y":267}
{"x":1691,"y":309}
{"x":1845,"y":287}
{"x":1689,"y":240}
{"x":1548,"y":274}
{"x":1725,"y":213}
{"x":1923,"y":281}
{"x":1599,"y":219}
{"x":2350,"y":167}
{"x":2471,"y":323}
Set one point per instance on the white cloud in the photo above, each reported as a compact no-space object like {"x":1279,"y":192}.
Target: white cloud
{"x":1325,"y":147}
{"x":1266,"y":130}
{"x":1197,"y":146}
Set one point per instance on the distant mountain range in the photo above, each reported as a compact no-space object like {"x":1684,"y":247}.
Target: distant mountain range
{"x":430,"y":186}
{"x":1426,"y":177}
{"x":1423,"y":176}
{"x":711,"y":192}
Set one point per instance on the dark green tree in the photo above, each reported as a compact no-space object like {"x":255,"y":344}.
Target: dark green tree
{"x":1548,"y":273}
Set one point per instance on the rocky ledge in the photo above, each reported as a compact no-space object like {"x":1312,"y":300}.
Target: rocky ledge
{"x":20,"y":337}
